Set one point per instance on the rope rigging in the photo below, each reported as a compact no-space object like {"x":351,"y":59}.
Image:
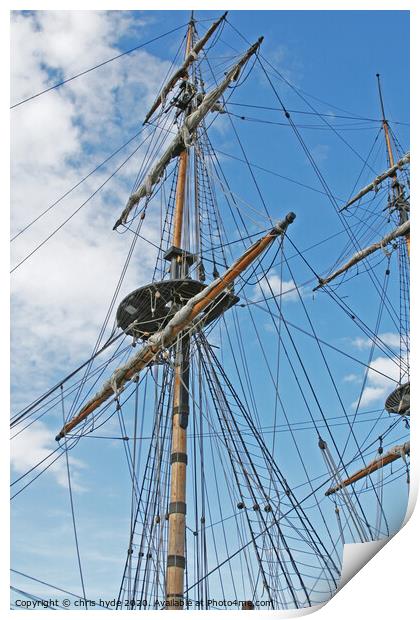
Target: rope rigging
{"x":308,"y":154}
{"x":257,"y":398}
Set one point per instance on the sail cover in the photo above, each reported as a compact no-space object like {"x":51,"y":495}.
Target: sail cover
{"x":182,"y":70}
{"x":183,"y":137}
{"x":401,"y":231}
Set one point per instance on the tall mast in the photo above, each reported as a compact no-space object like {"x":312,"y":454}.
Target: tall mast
{"x":175,"y":567}
{"x":397,"y":190}
{"x":205,"y":303}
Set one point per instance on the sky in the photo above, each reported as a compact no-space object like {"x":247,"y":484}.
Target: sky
{"x":61,"y":294}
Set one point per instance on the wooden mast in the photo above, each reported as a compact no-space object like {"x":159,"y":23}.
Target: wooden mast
{"x":175,"y":567}
{"x":185,"y":318}
{"x":183,"y":164}
{"x":396,"y":187}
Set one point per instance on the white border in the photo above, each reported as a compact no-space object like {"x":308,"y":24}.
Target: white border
{"x":387,"y":586}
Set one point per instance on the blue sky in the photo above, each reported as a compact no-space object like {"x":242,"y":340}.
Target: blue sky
{"x":61,"y":294}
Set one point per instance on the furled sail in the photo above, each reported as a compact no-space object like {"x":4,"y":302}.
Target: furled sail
{"x":401,"y":231}
{"x":392,"y":455}
{"x":182,"y":71}
{"x":182,"y":319}
{"x":183,"y":137}
{"x":373,"y":186}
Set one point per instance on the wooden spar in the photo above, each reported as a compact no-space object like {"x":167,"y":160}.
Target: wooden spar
{"x":182,"y":319}
{"x":392,"y":455}
{"x":175,"y":562}
{"x":183,"y":137}
{"x":396,"y":187}
{"x":190,"y":56}
{"x":401,"y":231}
{"x":373,"y":186}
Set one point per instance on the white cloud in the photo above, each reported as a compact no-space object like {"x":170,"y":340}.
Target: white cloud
{"x":379,"y":386}
{"x":391,"y":339}
{"x":320,"y":152}
{"x":273,"y":285}
{"x":351,"y":378}
{"x":61,"y":294}
{"x":37,"y":443}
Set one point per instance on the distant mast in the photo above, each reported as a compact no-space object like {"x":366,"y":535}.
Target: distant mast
{"x":397,"y":191}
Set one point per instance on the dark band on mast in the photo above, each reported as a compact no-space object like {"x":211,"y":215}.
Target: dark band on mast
{"x":179,"y":508}
{"x":179,"y":457}
{"x":176,"y":560}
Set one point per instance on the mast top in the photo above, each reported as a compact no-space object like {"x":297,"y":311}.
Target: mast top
{"x":183,"y":138}
{"x":378,"y":77}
